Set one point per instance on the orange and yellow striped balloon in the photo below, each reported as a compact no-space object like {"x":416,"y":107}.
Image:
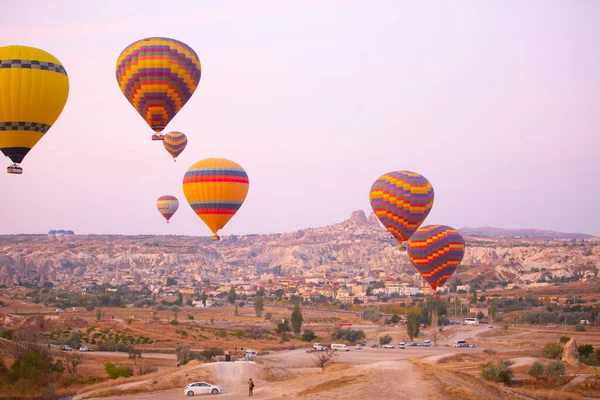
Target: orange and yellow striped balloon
{"x":215,"y":188}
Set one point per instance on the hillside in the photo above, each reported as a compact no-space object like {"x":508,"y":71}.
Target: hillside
{"x":357,"y":245}
{"x":521,"y":233}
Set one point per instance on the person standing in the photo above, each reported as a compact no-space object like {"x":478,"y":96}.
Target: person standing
{"x":250,"y":387}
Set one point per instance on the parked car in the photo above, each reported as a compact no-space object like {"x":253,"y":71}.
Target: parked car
{"x":388,"y":346}
{"x":66,"y":347}
{"x":412,"y":344}
{"x":195,"y":388}
{"x":84,"y":348}
{"x":358,"y":347}
{"x":402,"y":346}
{"x":427,"y":343}
{"x":402,"y":343}
{"x":374,"y":345}
{"x":318,"y":347}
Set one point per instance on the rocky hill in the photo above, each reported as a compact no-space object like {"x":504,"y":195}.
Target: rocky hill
{"x":521,"y":233}
{"x":358,"y":245}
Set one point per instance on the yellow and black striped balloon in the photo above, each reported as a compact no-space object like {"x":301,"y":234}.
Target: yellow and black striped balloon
{"x":34,"y":87}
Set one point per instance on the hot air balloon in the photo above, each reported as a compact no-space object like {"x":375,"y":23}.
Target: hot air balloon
{"x":69,"y":236}
{"x":33,"y":92}
{"x":167,"y":206}
{"x":158,"y":76}
{"x":52,"y":234}
{"x":401,"y":200}
{"x":215,"y":188}
{"x":175,"y":143}
{"x":436,"y":251}
{"x":60,"y":235}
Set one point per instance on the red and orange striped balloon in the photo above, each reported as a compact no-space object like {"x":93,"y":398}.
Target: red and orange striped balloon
{"x":436,"y":251}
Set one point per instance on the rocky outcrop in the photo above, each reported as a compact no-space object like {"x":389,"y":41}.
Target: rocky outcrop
{"x":355,"y":246}
{"x":571,"y":353}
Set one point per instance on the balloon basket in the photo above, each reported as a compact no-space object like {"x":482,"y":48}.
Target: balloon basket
{"x":14,"y":169}
{"x":158,"y":137}
{"x":215,"y":238}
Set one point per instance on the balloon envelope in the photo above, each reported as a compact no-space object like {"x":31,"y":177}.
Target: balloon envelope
{"x":401,"y":200}
{"x":167,"y":206}
{"x":60,"y":235}
{"x":158,"y":76}
{"x":33,"y":92}
{"x":175,"y":143}
{"x":215,"y":188}
{"x":436,"y":251}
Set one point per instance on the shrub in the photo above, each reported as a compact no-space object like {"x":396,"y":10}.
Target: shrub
{"x":497,"y":373}
{"x":146,"y":369}
{"x":221,"y":333}
{"x":308,"y":335}
{"x":210,"y":353}
{"x":115,"y":372}
{"x":385,"y":339}
{"x":490,"y":352}
{"x":372,"y":314}
{"x":239,"y":334}
{"x":174,"y":322}
{"x":191,"y":317}
{"x":552,"y":350}
{"x":536,"y":370}
{"x":585,"y":350}
{"x":555,"y":370}
{"x":349,"y":334}
{"x":268,"y":316}
{"x":579,"y":328}
{"x":564,"y":339}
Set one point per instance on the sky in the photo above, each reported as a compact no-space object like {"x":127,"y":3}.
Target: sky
{"x":496,"y":103}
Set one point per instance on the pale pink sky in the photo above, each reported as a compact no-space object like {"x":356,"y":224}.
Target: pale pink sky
{"x":495,"y":102}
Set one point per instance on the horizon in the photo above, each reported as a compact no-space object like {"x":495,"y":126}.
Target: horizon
{"x":495,"y":104}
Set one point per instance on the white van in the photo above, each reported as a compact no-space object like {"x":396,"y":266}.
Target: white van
{"x":471,"y":321}
{"x":318,"y":347}
{"x":340,"y":347}
{"x":250,"y":354}
{"x":427,"y":343}
{"x":460,"y":343}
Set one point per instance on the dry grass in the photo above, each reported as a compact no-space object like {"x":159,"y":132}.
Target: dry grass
{"x":461,"y":358}
{"x":332,"y":384}
{"x":271,"y":374}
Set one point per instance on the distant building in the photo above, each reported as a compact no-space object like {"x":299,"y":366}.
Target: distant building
{"x":466,"y":288}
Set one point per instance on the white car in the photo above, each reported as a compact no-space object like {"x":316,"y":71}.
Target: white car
{"x":84,"y":348}
{"x":195,"y":388}
{"x":388,"y":346}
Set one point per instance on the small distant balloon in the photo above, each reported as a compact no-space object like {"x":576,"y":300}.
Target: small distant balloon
{"x":436,"y":251}
{"x":401,"y":201}
{"x":60,"y":235}
{"x":52,"y":234}
{"x":167,"y":206}
{"x":175,"y":143}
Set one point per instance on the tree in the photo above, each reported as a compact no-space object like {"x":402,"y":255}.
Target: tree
{"x":552,"y":351}
{"x":497,"y":373}
{"x":179,"y":300}
{"x":482,"y":299}
{"x":480,"y":315}
{"x":474,"y":297}
{"x":204,"y":297}
{"x":71,"y":361}
{"x":74,"y":340}
{"x":385,"y":339}
{"x":210,"y":353}
{"x":493,"y":309}
{"x":308,"y":336}
{"x":413,"y":324}
{"x":254,"y":332}
{"x":324,"y":358}
{"x":585,"y":350}
{"x":232,"y":296}
{"x":134,"y":354}
{"x":260,"y":292}
{"x":283,"y":327}
{"x":297,"y":319}
{"x":536,"y":370}
{"x":237,"y":310}
{"x":372,"y":314}
{"x":259,"y":306}
{"x":98,"y":314}
{"x":395,"y":319}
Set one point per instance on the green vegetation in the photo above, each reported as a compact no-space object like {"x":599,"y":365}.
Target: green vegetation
{"x":308,"y":335}
{"x":413,"y":323}
{"x":497,"y":373}
{"x":536,"y":370}
{"x":372,"y":314}
{"x":385,"y":339}
{"x":259,"y":305}
{"x":115,"y":372}
{"x":552,"y":351}
{"x":349,"y":334}
{"x":297,"y":319}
